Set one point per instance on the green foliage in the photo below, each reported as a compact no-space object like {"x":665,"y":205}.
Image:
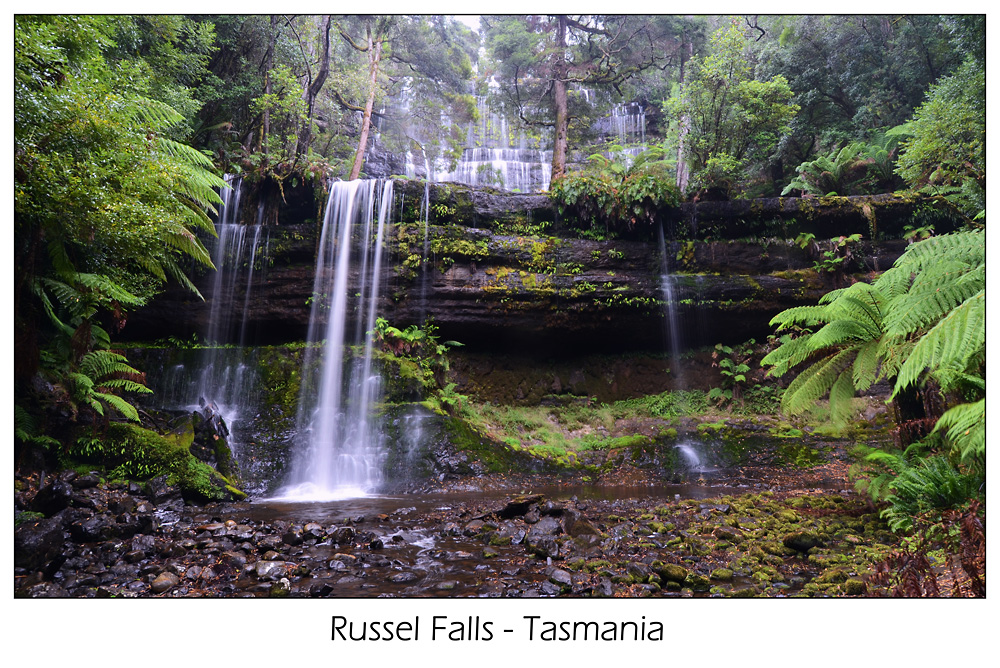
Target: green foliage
{"x":852,"y":74}
{"x":107,"y":201}
{"x":733,"y":367}
{"x":946,"y":151}
{"x":100,"y":374}
{"x":735,"y":121}
{"x":834,"y":257}
{"x":849,"y":323}
{"x":618,"y":194}
{"x":137,"y":453}
{"x":936,"y":326}
{"x":843,"y":172}
{"x":422,"y":347}
{"x":287,"y":111}
{"x":910,"y":484}
{"x":921,"y":323}
{"x":27,"y":429}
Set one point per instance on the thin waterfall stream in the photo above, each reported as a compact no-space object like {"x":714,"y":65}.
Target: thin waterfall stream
{"x":221,"y":381}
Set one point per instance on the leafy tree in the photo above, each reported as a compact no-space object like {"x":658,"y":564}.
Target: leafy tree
{"x":852,"y":74}
{"x":106,"y":204}
{"x":403,"y":51}
{"x":946,"y":150}
{"x":734,"y":121}
{"x":541,"y":57}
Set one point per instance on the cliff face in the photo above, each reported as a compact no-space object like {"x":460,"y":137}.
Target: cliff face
{"x":491,"y":277}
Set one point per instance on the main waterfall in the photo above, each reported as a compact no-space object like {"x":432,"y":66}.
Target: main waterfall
{"x":339,"y":448}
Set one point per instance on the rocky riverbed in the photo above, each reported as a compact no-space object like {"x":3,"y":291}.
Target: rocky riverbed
{"x":773,"y":533}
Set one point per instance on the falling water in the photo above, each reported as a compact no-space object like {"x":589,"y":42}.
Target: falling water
{"x":692,"y":458}
{"x":221,"y":377}
{"x":340,"y":450}
{"x":495,"y":154}
{"x":425,"y":212}
{"x":668,"y":285}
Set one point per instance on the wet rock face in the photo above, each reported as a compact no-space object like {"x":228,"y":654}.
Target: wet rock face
{"x":495,"y":290}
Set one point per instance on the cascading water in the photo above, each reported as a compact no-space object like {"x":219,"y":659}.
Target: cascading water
{"x":221,"y":377}
{"x":668,"y":285}
{"x":340,"y":451}
{"x":494,"y":155}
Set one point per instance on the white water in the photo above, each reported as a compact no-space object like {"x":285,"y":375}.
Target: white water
{"x":668,"y":285}
{"x":221,"y":377}
{"x":692,"y":458}
{"x":340,"y":451}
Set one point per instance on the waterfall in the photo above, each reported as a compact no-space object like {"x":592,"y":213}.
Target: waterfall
{"x":221,"y":377}
{"x":692,"y":458}
{"x":495,"y":154}
{"x":340,"y":450}
{"x":668,"y":285}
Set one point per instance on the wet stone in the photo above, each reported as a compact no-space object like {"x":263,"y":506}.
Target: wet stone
{"x":164,"y":582}
{"x":269,"y":570}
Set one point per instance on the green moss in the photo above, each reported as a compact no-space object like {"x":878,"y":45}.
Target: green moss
{"x":150,"y":455}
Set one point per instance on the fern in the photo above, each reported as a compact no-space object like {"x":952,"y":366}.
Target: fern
{"x":954,"y":345}
{"x":964,"y":428}
{"x":851,"y":319}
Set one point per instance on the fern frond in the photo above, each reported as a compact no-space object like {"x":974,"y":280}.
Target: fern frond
{"x":124,"y":385}
{"x":187,"y":243}
{"x":788,"y":355}
{"x":100,"y":363}
{"x":967,"y":247}
{"x":864,"y":371}
{"x":178,"y":274}
{"x":108,"y":288}
{"x":123,"y":407}
{"x":841,"y":394}
{"x":158,"y":115}
{"x":964,"y":428}
{"x":839,"y":332}
{"x":813,"y":383}
{"x":800,"y":316}
{"x":934,"y":293}
{"x":185,"y":153}
{"x":70,"y":298}
{"x":39,"y":292}
{"x":99,"y":337}
{"x":949,"y":347}
{"x":197,"y":219}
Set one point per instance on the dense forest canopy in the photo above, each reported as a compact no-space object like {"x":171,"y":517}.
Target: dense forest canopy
{"x":125,"y":126}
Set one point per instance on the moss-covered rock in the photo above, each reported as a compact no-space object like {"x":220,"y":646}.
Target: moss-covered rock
{"x":146,"y":451}
{"x":802,"y":541}
{"x":670,"y":572}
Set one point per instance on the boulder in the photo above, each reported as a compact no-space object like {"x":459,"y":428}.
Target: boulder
{"x":164,"y":582}
{"x":37,"y":543}
{"x":802,"y":541}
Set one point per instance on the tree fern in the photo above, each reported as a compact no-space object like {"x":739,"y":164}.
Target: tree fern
{"x":851,"y":319}
{"x":964,"y":427}
{"x":956,"y":343}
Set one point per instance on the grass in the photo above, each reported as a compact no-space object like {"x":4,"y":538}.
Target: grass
{"x":562,"y":431}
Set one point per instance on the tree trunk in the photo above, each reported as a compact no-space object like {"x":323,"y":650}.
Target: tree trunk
{"x":683,"y":172}
{"x":268,"y":64}
{"x":561,"y":103}
{"x":374,"y":56}
{"x":316,"y":85}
